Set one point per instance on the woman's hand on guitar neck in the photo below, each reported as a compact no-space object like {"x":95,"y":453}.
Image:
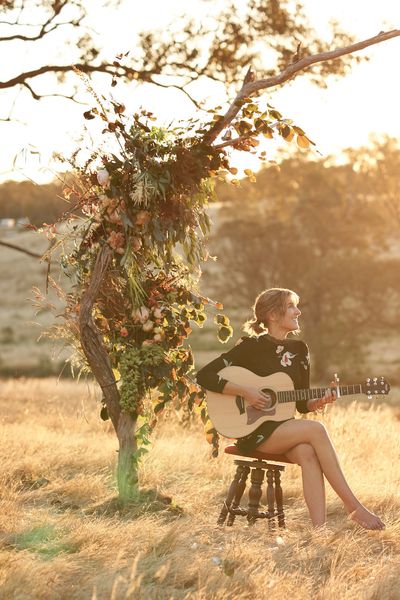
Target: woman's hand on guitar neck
{"x":328,"y":398}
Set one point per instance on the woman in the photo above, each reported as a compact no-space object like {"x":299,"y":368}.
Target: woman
{"x":305,"y":442}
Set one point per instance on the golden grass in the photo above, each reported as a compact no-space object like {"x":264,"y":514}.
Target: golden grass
{"x":63,"y":536}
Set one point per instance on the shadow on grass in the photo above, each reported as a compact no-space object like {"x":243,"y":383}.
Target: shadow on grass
{"x":147,"y":501}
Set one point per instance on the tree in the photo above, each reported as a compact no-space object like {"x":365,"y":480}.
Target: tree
{"x":218,"y":48}
{"x":134,"y":296}
{"x":379,"y":167}
{"x":317,"y":229}
{"x":25,"y":199}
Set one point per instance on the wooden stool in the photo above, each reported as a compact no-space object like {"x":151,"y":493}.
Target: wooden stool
{"x":256,"y":468}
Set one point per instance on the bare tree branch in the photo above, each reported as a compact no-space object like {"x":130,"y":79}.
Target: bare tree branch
{"x":85,"y":68}
{"x":235,"y":141}
{"x":19,"y":249}
{"x":180,"y":88}
{"x":250,"y":88}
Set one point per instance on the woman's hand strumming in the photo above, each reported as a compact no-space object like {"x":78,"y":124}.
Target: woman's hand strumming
{"x":255,"y":398}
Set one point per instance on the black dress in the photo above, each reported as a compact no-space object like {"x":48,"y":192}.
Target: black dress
{"x":263,"y":355}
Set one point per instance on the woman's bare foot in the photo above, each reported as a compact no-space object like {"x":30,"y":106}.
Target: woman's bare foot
{"x":366,"y":518}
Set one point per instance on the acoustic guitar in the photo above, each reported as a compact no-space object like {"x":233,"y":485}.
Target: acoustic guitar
{"x":232,"y":417}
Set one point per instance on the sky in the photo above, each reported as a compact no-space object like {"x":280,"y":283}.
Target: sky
{"x":345,"y":115}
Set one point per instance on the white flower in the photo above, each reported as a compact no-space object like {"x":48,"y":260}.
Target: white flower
{"x":103,"y":177}
{"x":157,"y":313}
{"x":148,"y":326}
{"x":279,"y":349}
{"x":141,"y":314}
{"x":286,"y":359}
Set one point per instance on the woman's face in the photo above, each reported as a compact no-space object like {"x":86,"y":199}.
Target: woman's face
{"x":289,"y":320}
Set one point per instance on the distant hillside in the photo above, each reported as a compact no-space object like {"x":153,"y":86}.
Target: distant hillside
{"x":39,"y":203}
{"x":20,"y":349}
{"x":22,"y":352}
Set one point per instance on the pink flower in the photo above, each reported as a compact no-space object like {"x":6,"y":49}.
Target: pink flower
{"x":117,"y":240}
{"x":142,"y":217}
{"x":136,"y":244}
{"x":124,"y":332}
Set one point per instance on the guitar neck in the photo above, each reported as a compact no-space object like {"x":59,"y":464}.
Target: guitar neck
{"x":312,"y":393}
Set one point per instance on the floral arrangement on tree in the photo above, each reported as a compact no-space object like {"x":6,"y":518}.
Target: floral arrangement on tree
{"x":142,"y":208}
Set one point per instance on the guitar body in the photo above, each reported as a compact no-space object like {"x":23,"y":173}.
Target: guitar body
{"x":233,"y":417}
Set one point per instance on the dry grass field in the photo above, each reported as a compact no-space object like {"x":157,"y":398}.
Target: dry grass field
{"x":64,"y":537}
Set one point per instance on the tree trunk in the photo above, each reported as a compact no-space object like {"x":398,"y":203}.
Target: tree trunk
{"x":99,"y":362}
{"x":127,"y":464}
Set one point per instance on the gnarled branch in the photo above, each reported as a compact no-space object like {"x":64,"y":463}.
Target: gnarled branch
{"x":251,"y":87}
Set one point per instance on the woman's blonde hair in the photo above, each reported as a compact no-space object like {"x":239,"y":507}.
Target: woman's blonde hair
{"x":273,"y":300}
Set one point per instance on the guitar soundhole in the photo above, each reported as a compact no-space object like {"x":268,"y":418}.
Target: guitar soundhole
{"x":270,"y":397}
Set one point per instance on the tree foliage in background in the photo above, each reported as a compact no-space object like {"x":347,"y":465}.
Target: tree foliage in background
{"x":39,"y":203}
{"x":270,"y":34}
{"x":324,"y":231}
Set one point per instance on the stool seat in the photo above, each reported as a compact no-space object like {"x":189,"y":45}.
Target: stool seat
{"x":282,"y":458}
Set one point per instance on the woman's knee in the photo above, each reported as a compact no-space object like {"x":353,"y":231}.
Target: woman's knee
{"x":303,"y":454}
{"x":317,"y":430}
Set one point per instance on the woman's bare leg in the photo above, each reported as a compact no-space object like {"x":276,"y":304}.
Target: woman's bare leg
{"x":313,"y":481}
{"x":295,"y":432}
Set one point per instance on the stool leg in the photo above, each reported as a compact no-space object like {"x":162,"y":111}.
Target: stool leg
{"x":279,"y":499}
{"x":230,"y":495}
{"x":257,"y":476}
{"x":271,"y":498}
{"x":238,"y":496}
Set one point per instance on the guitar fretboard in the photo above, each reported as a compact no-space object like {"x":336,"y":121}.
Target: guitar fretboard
{"x":312,"y":393}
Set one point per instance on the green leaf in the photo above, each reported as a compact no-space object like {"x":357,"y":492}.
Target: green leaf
{"x":159,"y":408}
{"x":275,"y":114}
{"x":104,"y":414}
{"x":221,"y":319}
{"x":224,"y":333}
{"x":243,"y":127}
{"x":303,"y":141}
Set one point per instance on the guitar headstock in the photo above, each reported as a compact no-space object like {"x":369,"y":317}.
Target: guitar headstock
{"x":375,"y":386}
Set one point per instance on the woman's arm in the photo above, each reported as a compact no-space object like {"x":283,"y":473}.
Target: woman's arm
{"x":208,"y":377}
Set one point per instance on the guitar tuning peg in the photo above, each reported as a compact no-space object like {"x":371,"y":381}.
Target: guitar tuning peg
{"x":375,"y":379}
{"x":368,"y":379}
{"x":369,"y":396}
